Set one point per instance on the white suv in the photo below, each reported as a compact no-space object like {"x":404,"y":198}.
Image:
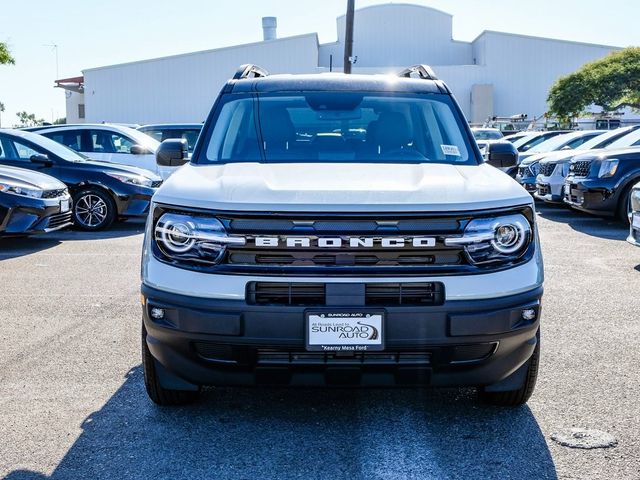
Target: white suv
{"x":340,"y":230}
{"x":110,"y":143}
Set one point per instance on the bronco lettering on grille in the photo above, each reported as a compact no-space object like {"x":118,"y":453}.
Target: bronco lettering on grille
{"x":345,"y":242}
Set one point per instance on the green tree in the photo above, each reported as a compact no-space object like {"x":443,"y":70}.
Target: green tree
{"x":611,"y":83}
{"x":5,"y":55}
{"x":28,"y":120}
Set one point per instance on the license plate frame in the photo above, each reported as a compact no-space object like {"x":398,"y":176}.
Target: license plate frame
{"x":372,"y":324}
{"x":65,"y":206}
{"x":635,"y":222}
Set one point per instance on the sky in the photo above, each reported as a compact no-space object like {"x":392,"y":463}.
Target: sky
{"x":93,"y":33}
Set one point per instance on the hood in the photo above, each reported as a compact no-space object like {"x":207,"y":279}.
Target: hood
{"x":565,"y":156}
{"x":118,"y":167}
{"x":341,"y":187}
{"x":29,"y":178}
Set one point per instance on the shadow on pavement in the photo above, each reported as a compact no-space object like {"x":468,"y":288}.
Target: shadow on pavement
{"x":13,"y":247}
{"x":602,"y":227}
{"x":285,"y":433}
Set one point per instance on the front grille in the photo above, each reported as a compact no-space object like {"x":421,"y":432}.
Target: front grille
{"x":425,"y":293}
{"x":546,"y":169}
{"x":543,"y":189}
{"x":322,"y":257}
{"x":156,"y":184}
{"x":262,"y":356}
{"x":375,"y":294}
{"x":54,"y":193}
{"x":59,"y":219}
{"x":581,"y":168}
{"x":271,"y":293}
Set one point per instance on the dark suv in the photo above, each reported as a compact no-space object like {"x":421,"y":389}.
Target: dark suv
{"x":601,"y":183}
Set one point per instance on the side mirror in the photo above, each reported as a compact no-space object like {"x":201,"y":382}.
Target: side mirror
{"x":172,"y":152}
{"x":41,"y":158}
{"x":502,"y":155}
{"x":138,"y":150}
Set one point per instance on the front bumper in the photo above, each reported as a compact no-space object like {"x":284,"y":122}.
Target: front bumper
{"x":591,"y":196}
{"x":550,"y":189}
{"x":133,"y":201}
{"x":206,"y":341}
{"x":528,"y":182}
{"x":26,"y":216}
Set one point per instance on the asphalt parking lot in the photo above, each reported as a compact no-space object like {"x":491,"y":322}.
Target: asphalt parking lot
{"x":72,"y":402}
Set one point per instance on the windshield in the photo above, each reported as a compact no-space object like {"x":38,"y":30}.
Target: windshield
{"x":630,"y":140}
{"x":553,"y":144}
{"x":604,"y":139}
{"x":487,"y":134}
{"x":522,"y":141}
{"x":338,"y":127}
{"x":142,"y":139}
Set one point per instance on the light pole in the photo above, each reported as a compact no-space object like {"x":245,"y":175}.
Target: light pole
{"x":55,"y":48}
{"x":348,"y":37}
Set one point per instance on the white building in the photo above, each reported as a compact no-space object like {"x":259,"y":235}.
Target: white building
{"x":499,"y":74}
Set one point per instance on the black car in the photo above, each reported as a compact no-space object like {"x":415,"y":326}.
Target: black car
{"x":31,"y":202}
{"x":102,"y":192}
{"x":601,"y":183}
{"x":165,"y":131}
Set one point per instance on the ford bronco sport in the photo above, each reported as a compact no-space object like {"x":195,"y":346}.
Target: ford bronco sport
{"x":340,"y":230}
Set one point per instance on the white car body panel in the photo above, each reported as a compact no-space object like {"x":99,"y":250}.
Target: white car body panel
{"x":348,"y":187}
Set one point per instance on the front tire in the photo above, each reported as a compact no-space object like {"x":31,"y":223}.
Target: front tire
{"x":516,"y":398}
{"x":624,"y":206}
{"x":159,"y":395}
{"x":93,"y":209}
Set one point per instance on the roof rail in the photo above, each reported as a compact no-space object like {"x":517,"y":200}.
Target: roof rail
{"x":425,"y":72}
{"x":249,"y":70}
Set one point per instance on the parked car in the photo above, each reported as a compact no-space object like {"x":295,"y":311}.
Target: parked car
{"x":289,"y":252}
{"x":554,"y":168}
{"x":484,"y":136}
{"x":532,"y":139}
{"x":110,"y":143}
{"x":31,"y":202}
{"x":530,"y":161}
{"x":165,"y":131}
{"x":102,"y":192}
{"x":600,"y":183}
{"x":634,"y":216}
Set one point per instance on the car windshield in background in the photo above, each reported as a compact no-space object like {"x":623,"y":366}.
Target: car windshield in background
{"x":161,"y":134}
{"x":630,"y":140}
{"x":339,"y":127}
{"x":487,"y":135}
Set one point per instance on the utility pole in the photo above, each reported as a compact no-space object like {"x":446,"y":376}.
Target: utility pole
{"x":348,"y":37}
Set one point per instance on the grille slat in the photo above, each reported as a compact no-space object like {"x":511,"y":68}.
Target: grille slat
{"x":54,"y":193}
{"x":546,"y":169}
{"x":581,"y":168}
{"x":314,"y":294}
{"x":59,"y":219}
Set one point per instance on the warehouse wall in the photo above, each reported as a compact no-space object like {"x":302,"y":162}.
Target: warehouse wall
{"x":182,"y":88}
{"x":399,"y":34}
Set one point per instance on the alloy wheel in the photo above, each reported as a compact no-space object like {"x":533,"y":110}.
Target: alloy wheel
{"x":91,"y":210}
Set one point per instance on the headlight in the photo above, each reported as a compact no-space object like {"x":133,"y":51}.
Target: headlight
{"x":132,"y":179}
{"x":192,"y":239}
{"x":608,"y":168}
{"x":499,"y":239}
{"x":16,"y":189}
{"x":535,"y":168}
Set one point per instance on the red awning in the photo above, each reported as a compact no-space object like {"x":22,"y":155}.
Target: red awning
{"x":73,"y":84}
